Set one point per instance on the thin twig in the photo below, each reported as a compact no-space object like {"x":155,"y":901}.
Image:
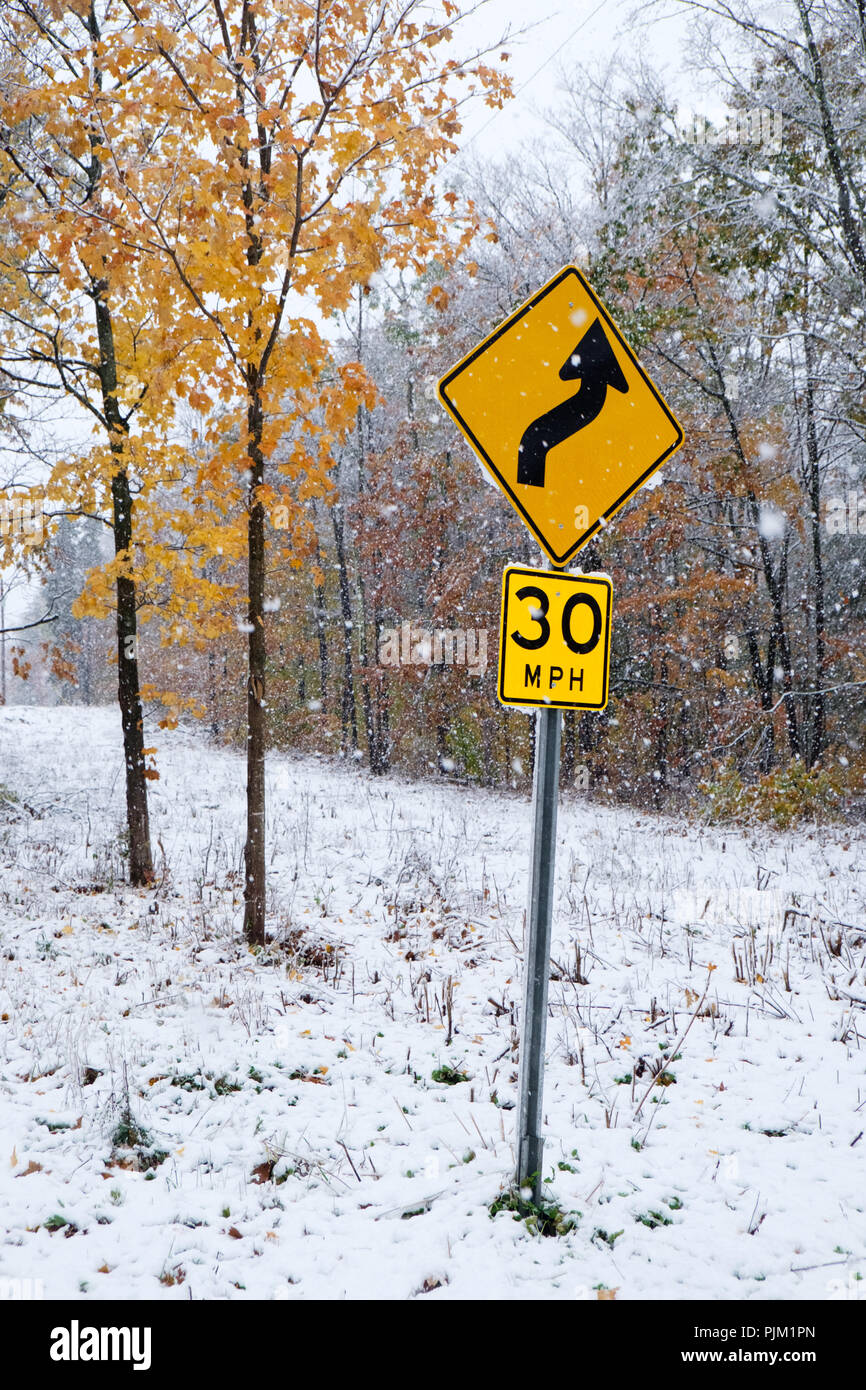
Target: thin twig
{"x":349,"y":1157}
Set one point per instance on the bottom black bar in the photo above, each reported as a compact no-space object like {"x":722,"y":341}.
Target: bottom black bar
{"x":171,"y":1340}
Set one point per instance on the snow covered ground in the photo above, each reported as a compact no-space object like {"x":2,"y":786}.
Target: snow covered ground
{"x":210,"y":1124}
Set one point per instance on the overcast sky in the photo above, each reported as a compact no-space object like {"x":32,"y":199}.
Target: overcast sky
{"x":563,"y":34}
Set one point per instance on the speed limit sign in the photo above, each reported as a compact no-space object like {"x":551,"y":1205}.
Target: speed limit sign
{"x":568,"y":442}
{"x":554,"y":639}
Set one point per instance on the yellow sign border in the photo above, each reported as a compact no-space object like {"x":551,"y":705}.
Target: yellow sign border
{"x":560,"y":576}
{"x":466,"y":430}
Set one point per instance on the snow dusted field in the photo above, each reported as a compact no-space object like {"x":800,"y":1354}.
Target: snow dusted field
{"x":209,"y":1124}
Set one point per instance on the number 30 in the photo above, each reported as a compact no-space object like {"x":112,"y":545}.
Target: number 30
{"x":539,"y":616}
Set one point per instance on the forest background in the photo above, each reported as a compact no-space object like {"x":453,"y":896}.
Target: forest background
{"x":233,"y":233}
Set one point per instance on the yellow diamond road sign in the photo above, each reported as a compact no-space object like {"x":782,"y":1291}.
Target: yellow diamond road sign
{"x":554,"y":639}
{"x":559,"y":409}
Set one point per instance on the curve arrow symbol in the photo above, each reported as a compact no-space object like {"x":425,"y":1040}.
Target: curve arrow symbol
{"x":594,"y":362}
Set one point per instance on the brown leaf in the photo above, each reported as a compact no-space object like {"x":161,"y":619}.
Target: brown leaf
{"x":32,"y":1167}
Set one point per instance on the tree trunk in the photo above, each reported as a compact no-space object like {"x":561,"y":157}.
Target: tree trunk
{"x":532,"y":734}
{"x":129,"y":699}
{"x":383,"y":711}
{"x":366,"y":693}
{"x":777,"y":585}
{"x":214,"y":699}
{"x":569,"y":746}
{"x":376,"y":729}
{"x":659,"y":782}
{"x":322,"y":638}
{"x":763,"y":678}
{"x":128,"y":696}
{"x":302,"y":680}
{"x":488,"y":749}
{"x":348,"y":708}
{"x":254,"y":850}
{"x":818,"y":732}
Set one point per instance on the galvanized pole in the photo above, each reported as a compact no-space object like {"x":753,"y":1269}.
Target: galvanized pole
{"x":545,"y":798}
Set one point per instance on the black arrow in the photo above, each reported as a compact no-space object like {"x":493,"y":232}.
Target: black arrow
{"x":594,"y":362}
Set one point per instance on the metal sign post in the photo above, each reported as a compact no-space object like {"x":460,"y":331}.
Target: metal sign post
{"x":539,"y":917}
